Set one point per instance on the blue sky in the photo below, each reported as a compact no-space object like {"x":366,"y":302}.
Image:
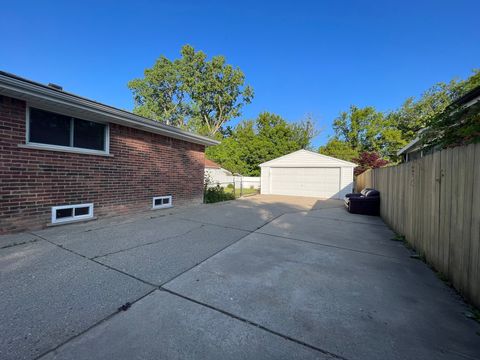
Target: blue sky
{"x":301,"y":57}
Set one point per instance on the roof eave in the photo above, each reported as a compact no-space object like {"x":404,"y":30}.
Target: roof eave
{"x":407,"y":147}
{"x":14,"y":86}
{"x":343,"y":162}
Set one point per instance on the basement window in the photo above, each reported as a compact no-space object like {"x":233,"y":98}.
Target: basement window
{"x":68,"y":213}
{"x":161,"y":202}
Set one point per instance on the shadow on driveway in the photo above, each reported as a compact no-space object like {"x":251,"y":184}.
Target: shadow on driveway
{"x":261,"y":277}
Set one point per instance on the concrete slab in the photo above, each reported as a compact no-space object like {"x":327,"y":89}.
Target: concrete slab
{"x":294,"y":203}
{"x":164,"y":326}
{"x":88,"y":225}
{"x":48,"y":295}
{"x":235,"y":214}
{"x":253,"y":212}
{"x":16,"y":239}
{"x":350,"y":235}
{"x":353,"y":304}
{"x":164,"y":260}
{"x":123,"y":236}
{"x":341,"y":214}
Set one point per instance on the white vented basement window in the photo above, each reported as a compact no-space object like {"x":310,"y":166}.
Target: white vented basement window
{"x":67,"y":213}
{"x":160,"y":202}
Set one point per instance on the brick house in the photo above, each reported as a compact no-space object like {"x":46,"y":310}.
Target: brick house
{"x":65,"y":158}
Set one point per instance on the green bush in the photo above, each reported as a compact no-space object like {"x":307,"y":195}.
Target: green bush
{"x":216,"y":194}
{"x":230,"y":186}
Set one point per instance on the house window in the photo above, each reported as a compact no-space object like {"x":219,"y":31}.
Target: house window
{"x":160,"y":202}
{"x":68,"y":213}
{"x":55,"y":130}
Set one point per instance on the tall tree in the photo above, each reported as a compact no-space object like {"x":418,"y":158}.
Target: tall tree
{"x":339,"y":149}
{"x":417,"y":113}
{"x":367,"y":130}
{"x":160,"y":94}
{"x":253,"y":142}
{"x":192,"y":92}
{"x":359,"y":127}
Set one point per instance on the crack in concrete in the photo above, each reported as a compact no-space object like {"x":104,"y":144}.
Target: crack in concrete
{"x":161,"y":286}
{"x":22,"y":243}
{"x":343,"y":220}
{"x":149,"y":243}
{"x":217,"y":252}
{"x":257,"y":325}
{"x":328,"y":245}
{"x":97,"y":262}
{"x":108,"y":317}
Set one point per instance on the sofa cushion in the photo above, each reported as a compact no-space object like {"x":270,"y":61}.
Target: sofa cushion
{"x":372,"y":193}
{"x":364,"y":191}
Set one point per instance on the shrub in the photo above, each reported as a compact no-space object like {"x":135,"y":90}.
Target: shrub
{"x":230,"y":186}
{"x":368,"y":160}
{"x":216,"y":194}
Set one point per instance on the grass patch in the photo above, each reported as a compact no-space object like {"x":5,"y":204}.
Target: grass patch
{"x":473,"y":314}
{"x":476,"y":314}
{"x":217,"y":194}
{"x":245,"y":191}
{"x":398,"y":237}
{"x":401,"y":238}
{"x":444,"y":278}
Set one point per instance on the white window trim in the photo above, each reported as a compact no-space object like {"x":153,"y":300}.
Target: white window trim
{"x":163,"y":206}
{"x":71,"y":218}
{"x":72,"y":149}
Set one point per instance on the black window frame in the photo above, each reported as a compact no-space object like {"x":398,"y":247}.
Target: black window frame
{"x":70,"y":147}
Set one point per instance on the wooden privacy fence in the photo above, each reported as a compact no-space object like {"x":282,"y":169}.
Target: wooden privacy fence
{"x":435,"y":203}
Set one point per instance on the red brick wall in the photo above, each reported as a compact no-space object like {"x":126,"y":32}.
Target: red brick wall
{"x":143,"y":165}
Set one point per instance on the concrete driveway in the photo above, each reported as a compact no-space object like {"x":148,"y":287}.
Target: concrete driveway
{"x":265,"y":277}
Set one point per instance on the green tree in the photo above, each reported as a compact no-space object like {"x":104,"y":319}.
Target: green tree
{"x":253,"y":142}
{"x":458,"y":125}
{"x":192,"y":92}
{"x":367,"y":130}
{"x":359,"y":127}
{"x":160,"y":94}
{"x":339,"y":149}
{"x":416,"y":114}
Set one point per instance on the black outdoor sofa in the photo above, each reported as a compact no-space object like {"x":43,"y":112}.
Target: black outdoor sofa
{"x":367,"y":202}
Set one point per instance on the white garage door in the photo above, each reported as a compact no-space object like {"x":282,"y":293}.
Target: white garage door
{"x":319,"y":182}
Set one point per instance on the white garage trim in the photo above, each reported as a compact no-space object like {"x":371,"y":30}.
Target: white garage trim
{"x":305,"y":173}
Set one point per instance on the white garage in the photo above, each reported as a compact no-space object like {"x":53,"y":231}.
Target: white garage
{"x":306,"y":173}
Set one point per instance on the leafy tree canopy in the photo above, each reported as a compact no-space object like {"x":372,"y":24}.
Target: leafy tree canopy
{"x":454,"y":127}
{"x":253,"y":142}
{"x":368,"y":130}
{"x":339,"y":149}
{"x":456,"y":124}
{"x":192,"y":92}
{"x":416,"y":114}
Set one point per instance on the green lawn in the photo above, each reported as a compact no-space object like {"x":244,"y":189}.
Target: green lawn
{"x":246,"y":191}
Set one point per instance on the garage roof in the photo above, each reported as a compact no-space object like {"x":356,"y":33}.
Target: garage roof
{"x":304,"y":158}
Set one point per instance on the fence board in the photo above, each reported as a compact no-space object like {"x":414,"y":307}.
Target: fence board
{"x":474,"y":263}
{"x":435,"y":203}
